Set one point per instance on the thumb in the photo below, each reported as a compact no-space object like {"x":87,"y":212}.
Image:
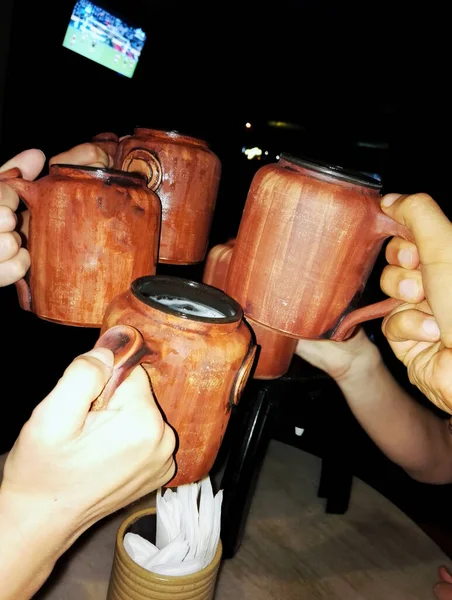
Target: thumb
{"x":443,"y":591}
{"x":64,"y":410}
{"x":444,"y":574}
{"x":431,"y":229}
{"x":30,"y":162}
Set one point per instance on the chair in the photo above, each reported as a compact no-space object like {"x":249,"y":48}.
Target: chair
{"x":298,"y":408}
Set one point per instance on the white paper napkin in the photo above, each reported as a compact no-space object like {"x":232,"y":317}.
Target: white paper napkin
{"x":188,"y":522}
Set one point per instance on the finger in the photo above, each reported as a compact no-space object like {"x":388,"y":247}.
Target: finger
{"x":30,"y":162}
{"x":402,"y":253}
{"x":411,"y":325}
{"x":84,"y":154}
{"x":444,"y":574}
{"x":9,"y":245}
{"x":443,"y":591}
{"x":24,"y":222}
{"x":8,"y":219}
{"x":63,"y":412}
{"x":135,"y":393}
{"x":402,"y":284}
{"x":8,"y":197}
{"x":14,"y":269}
{"x":430,"y":227}
{"x":136,"y":389}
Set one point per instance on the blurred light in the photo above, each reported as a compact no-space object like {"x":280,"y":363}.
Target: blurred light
{"x":253,"y":152}
{"x":266,"y":153}
{"x":284,"y":125}
{"x":277,"y":157}
{"x":376,"y":145}
{"x":248,"y":125}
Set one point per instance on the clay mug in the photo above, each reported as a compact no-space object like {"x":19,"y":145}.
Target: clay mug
{"x":200,"y":352}
{"x":275,"y":350}
{"x":92,"y":231}
{"x":308,"y":239}
{"x":185,"y":174}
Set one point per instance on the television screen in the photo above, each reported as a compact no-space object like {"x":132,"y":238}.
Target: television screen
{"x":100,"y":36}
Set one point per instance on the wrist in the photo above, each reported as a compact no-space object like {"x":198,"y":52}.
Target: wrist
{"x":33,"y":525}
{"x":361,"y":368}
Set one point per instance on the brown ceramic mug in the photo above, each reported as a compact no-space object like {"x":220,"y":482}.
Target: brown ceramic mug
{"x":275,"y":350}
{"x":129,"y":581}
{"x":92,"y":231}
{"x":185,"y":174}
{"x":199,"y":354}
{"x":308,"y":239}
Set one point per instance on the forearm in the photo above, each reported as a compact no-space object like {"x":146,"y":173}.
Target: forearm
{"x":407,"y":432}
{"x":30,"y":544}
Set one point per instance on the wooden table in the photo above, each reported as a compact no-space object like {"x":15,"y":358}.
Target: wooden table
{"x":291,"y":550}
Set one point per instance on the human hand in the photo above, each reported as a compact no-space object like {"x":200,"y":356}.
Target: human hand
{"x":71,"y":466}
{"x":420,"y":274}
{"x":340,"y":359}
{"x":88,"y":154}
{"x":15,"y":260}
{"x":443,"y":589}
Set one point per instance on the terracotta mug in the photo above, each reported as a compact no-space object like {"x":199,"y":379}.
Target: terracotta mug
{"x":92,"y":231}
{"x":275,"y":350}
{"x":185,"y":174}
{"x":200,"y":352}
{"x":308,"y":239}
{"x":129,"y":581}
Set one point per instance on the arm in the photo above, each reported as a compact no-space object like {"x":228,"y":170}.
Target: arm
{"x":70,"y":467}
{"x":407,"y":432}
{"x":31,"y":541}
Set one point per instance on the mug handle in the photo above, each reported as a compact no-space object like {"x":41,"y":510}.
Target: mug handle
{"x":243,"y":375}
{"x":129,"y":349}
{"x":386,"y":227}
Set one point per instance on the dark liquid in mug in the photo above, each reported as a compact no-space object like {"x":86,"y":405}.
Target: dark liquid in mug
{"x":187,"y":307}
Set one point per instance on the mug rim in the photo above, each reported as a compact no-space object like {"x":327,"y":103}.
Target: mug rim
{"x":336,"y":171}
{"x":174,"y":135}
{"x":195,"y":287}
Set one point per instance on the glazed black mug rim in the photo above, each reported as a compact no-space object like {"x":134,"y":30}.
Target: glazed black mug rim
{"x":189,"y":290}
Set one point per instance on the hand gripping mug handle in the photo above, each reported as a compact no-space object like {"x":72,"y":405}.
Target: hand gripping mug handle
{"x":386,"y":227}
{"x":129,"y":350}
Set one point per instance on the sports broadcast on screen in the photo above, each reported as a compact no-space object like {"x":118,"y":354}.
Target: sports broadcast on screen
{"x":100,"y":36}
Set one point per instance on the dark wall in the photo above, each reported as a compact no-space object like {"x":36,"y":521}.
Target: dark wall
{"x":5,"y":29}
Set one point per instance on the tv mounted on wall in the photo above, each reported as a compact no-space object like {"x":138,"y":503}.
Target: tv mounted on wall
{"x":104,"y":38}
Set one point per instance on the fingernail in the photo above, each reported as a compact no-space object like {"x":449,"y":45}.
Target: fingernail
{"x":389,"y":199}
{"x":409,"y":288}
{"x":404,"y":257}
{"x":430,"y":327}
{"x":103,"y":354}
